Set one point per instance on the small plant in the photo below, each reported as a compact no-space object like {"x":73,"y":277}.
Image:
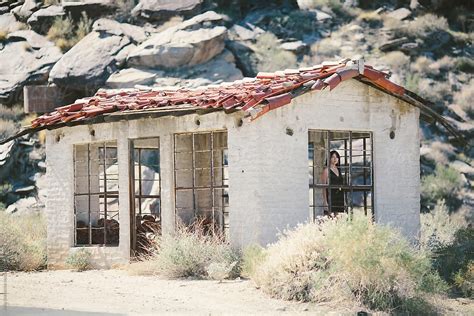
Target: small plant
{"x":22,"y":242}
{"x":252,"y":256}
{"x":191,"y":252}
{"x":79,"y":260}
{"x":445,"y":183}
{"x":83,"y":27}
{"x":412,"y":82}
{"x":65,"y":35}
{"x":465,"y":97}
{"x":3,"y":35}
{"x":425,"y":25}
{"x":270,"y":56}
{"x":465,"y":64}
{"x":397,"y":61}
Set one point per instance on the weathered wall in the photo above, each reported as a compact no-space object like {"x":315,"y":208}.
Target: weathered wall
{"x":268,"y":172}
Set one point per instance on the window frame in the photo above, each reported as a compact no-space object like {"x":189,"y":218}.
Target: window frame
{"x":349,"y":187}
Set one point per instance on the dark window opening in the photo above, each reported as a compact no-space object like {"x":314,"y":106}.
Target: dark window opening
{"x":201,"y":180}
{"x":146,"y":192}
{"x":352,"y":189}
{"x":96,"y":203}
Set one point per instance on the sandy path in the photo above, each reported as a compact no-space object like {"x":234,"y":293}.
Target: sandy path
{"x":117,"y":293}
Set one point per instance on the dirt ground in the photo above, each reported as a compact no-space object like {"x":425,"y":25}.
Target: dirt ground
{"x":115,"y":292}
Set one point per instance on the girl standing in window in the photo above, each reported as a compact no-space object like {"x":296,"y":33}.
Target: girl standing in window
{"x":333,"y":200}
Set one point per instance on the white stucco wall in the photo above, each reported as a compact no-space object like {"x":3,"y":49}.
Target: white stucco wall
{"x":268,"y":172}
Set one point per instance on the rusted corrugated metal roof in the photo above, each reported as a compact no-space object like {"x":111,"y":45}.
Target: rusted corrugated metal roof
{"x":255,"y":96}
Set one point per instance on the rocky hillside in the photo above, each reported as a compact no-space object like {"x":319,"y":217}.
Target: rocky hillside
{"x":79,"y":47}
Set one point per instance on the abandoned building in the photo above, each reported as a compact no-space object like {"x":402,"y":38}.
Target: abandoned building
{"x":243,"y":157}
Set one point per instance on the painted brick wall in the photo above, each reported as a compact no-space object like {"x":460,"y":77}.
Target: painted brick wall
{"x":267,"y":167}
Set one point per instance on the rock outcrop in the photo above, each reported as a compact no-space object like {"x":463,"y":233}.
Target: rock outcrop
{"x":195,"y":41}
{"x":161,"y":10}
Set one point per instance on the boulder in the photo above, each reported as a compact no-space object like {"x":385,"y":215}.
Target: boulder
{"x":192,"y":42}
{"x":393,"y":44}
{"x":128,"y":78}
{"x":35,"y":40}
{"x":135,"y":33}
{"x":92,"y":8}
{"x":322,"y":16}
{"x":8,"y":23}
{"x":245,"y":33}
{"x":24,"y":206}
{"x":41,"y":20}
{"x":121,"y":58}
{"x":399,"y":14}
{"x":296,"y":47}
{"x":88,"y":64}
{"x":30,"y":58}
{"x":24,"y":11}
{"x":161,"y":10}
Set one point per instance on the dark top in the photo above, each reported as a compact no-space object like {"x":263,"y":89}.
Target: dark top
{"x":336,"y":199}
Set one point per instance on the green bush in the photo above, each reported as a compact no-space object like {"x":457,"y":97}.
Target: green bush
{"x":438,"y":227}
{"x":252,"y":256}
{"x":22,"y":242}
{"x":349,"y":260}
{"x":270,"y":56}
{"x":455,"y":261}
{"x":445,"y":183}
{"x":192,"y":252}
{"x":79,"y":260}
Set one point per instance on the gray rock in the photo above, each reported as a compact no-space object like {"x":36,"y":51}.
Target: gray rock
{"x":35,"y":40}
{"x":322,"y":16}
{"x":161,"y":10}
{"x":24,"y":206}
{"x":192,"y":42}
{"x":9,"y":23}
{"x":399,"y":14}
{"x":24,"y":11}
{"x":28,"y":61}
{"x":122,"y":55}
{"x":128,"y":78}
{"x":41,"y":20}
{"x":296,"y":47}
{"x":135,"y":33}
{"x":393,"y":44}
{"x":89,"y":63}
{"x":220,"y":69}
{"x":238,"y":32}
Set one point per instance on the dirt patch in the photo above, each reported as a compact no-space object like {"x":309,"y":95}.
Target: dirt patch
{"x":116,"y":292}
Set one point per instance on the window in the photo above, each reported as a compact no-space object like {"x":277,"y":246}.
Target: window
{"x":96,"y":204}
{"x":145,"y":190}
{"x":201,"y":179}
{"x":353,"y":188}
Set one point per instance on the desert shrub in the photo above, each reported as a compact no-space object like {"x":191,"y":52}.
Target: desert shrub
{"x":348,"y":260}
{"x":65,"y":35}
{"x":192,"y":252}
{"x":464,"y":98}
{"x":427,"y":24}
{"x":7,"y":128}
{"x":435,"y":91}
{"x":372,"y":18}
{"x":252,"y":256}
{"x":22,"y":242}
{"x":270,"y":56}
{"x":464,"y":64}
{"x":397,"y":61}
{"x":412,"y":81}
{"x":325,"y":48}
{"x":3,"y":35}
{"x":438,"y":227}
{"x":455,"y":261}
{"x":445,"y":183}
{"x":323,"y":4}
{"x":424,"y":66}
{"x":11,"y":113}
{"x":79,"y":260}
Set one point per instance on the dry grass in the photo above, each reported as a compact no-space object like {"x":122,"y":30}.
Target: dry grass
{"x":65,"y":34}
{"x":427,"y":24}
{"x":190,"y":252}
{"x":3,"y":35}
{"x":398,"y":62}
{"x":444,"y":184}
{"x":349,"y":261}
{"x":22,"y":242}
{"x":325,"y":48}
{"x":270,"y":56}
{"x":9,"y":117}
{"x":465,"y":98}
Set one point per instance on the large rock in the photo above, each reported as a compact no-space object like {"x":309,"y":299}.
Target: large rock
{"x":135,"y":33}
{"x":24,"y":11}
{"x":399,"y":14}
{"x":8,"y":23}
{"x":160,"y":10}
{"x":89,"y":63}
{"x":192,"y":42}
{"x":129,"y":78}
{"x":30,"y":57}
{"x":41,"y":20}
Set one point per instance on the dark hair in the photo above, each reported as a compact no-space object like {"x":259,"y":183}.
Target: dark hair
{"x":337,"y":155}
